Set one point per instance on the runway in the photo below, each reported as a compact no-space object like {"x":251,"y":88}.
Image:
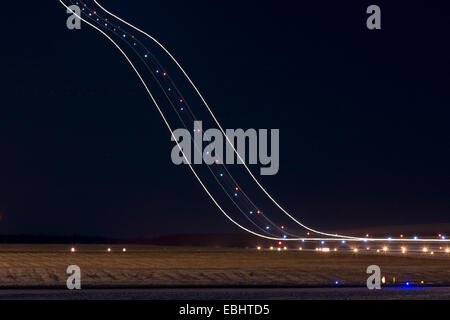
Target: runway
{"x":360,"y":293}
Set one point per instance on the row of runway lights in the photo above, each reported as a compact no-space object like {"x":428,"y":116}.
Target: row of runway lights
{"x":73,"y":250}
{"x":394,"y":282}
{"x":403,"y":250}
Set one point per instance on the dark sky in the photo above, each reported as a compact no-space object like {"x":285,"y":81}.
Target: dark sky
{"x":363,"y":115}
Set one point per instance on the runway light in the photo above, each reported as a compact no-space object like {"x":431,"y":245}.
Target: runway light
{"x":258,"y":248}
{"x":72,"y":249}
{"x":385,"y":249}
{"x":407,"y":283}
{"x":447,"y":250}
{"x":279,"y":249}
{"x":271,"y":248}
{"x":300,"y":249}
{"x":383,"y":280}
{"x":416,"y":237}
{"x":325,"y":250}
{"x":285,"y":248}
{"x":280,"y":243}
{"x":343,"y":242}
{"x":355,"y":250}
{"x":404,"y":250}
{"x":109,"y":250}
{"x":336,"y":282}
{"x":124,"y":250}
{"x":425,"y":249}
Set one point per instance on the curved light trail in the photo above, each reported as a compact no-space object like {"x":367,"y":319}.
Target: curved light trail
{"x":331,"y":237}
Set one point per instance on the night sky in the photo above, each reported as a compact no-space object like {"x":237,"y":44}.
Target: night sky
{"x":363,"y":115}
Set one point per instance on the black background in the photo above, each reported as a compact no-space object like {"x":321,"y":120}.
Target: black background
{"x":363,"y":114}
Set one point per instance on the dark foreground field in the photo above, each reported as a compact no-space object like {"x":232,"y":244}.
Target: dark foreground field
{"x":40,"y":267}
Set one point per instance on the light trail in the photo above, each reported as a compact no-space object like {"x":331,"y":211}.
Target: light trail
{"x":173,"y":135}
{"x":333,"y":237}
{"x":221,"y":128}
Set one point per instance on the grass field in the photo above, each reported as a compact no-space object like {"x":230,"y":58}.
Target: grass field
{"x":143,"y":266}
